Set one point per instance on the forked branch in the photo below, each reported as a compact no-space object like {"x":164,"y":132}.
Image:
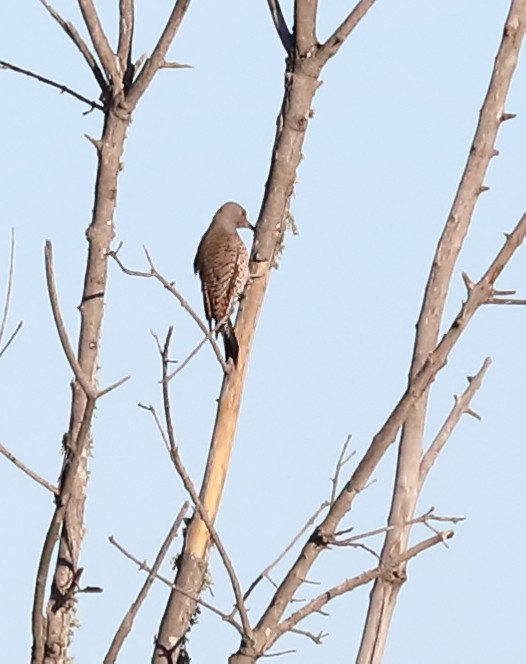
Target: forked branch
{"x":81,"y":45}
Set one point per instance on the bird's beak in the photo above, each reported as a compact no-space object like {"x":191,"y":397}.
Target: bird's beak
{"x":247,"y":224}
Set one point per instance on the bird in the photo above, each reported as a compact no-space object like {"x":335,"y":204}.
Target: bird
{"x":221,"y":262}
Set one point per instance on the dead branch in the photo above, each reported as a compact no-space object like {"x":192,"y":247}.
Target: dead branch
{"x":305,"y":16}
{"x":99,"y":40}
{"x":59,"y":86}
{"x":7,"y":300}
{"x":384,"y":595}
{"x":154,"y":273}
{"x":9,"y":287}
{"x":174,"y":65}
{"x":342,"y":460}
{"x":83,"y":48}
{"x":423,"y":518}
{"x":155,"y":575}
{"x":461,"y":407}
{"x":25,"y":469}
{"x":158,"y":56}
{"x":315,"y":638}
{"x":80,"y":376}
{"x":332,"y":45}
{"x":351,"y":584}
{"x":385,"y":437}
{"x":127,"y":622}
{"x":265,"y":573}
{"x":168,"y":437}
{"x":11,"y":338}
{"x":82,"y":379}
{"x":280,"y":24}
{"x":51,"y":632}
{"x":301,"y":82}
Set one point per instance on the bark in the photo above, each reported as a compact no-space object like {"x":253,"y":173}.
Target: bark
{"x":51,"y":634}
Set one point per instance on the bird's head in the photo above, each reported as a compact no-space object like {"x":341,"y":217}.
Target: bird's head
{"x":232,"y":216}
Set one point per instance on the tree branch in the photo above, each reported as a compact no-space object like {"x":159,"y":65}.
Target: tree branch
{"x":305,"y":15}
{"x":126,"y":27}
{"x":351,"y":584}
{"x":385,"y":437}
{"x":461,"y":407}
{"x":407,"y":482}
{"x":154,"y":273}
{"x":266,"y":571}
{"x":99,"y":40}
{"x":333,"y":44}
{"x":9,"y":287}
{"x":143,"y":566}
{"x":158,"y":56}
{"x":7,"y":300}
{"x":285,"y":35}
{"x":80,"y":376}
{"x":170,"y":443}
{"x":73,"y":34}
{"x":53,"y":84}
{"x":31,"y":473}
{"x":127,"y":622}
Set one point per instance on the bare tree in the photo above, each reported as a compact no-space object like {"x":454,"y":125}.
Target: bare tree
{"x":122,"y":83}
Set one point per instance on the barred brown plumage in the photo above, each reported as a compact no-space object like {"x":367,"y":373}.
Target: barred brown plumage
{"x":221,"y":262}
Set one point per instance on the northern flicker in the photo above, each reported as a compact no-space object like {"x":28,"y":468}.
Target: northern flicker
{"x":222,"y":264}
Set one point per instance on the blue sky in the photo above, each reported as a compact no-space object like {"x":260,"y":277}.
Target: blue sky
{"x":384,"y":152}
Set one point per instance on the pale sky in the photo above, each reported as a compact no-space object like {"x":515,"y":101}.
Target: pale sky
{"x":383,"y":155}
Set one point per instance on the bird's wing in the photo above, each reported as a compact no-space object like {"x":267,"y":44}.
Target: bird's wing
{"x":238,"y":275}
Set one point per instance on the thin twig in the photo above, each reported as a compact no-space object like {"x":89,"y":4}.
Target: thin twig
{"x":316,"y":638}
{"x":342,"y":460}
{"x":175,"y":65}
{"x":461,"y":407}
{"x":59,"y":86}
{"x":73,"y":34}
{"x":9,"y":287}
{"x":128,"y":620}
{"x":350,"y":584}
{"x":155,"y":274}
{"x":113,"y":386}
{"x":266,"y":571}
{"x":143,"y":566}
{"x":12,"y":337}
{"x":190,"y":357}
{"x":31,"y":473}
{"x":80,"y":376}
{"x":423,"y":518}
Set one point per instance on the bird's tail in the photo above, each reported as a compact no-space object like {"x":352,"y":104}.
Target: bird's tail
{"x":230,"y":341}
